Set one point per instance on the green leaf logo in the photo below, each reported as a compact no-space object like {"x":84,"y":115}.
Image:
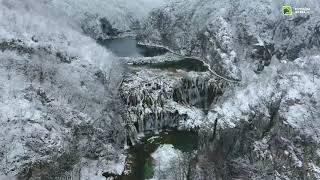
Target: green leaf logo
{"x":287,"y":10}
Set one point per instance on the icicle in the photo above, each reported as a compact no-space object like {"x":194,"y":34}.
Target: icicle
{"x":156,"y":118}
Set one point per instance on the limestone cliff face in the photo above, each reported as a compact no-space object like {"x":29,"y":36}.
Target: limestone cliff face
{"x":155,"y":99}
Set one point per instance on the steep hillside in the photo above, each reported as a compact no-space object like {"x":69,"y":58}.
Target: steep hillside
{"x":265,"y":126}
{"x":239,"y":73}
{"x":106,"y":18}
{"x":229,"y":33}
{"x":58,"y":95}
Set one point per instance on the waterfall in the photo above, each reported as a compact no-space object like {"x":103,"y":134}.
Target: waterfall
{"x":152,"y":103}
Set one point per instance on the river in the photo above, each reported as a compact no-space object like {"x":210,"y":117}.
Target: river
{"x":139,"y":156}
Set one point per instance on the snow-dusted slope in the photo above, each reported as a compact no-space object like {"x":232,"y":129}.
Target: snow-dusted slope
{"x":226,"y":33}
{"x":271,"y":121}
{"x":57,"y":94}
{"x":60,"y":113}
{"x":267,"y":125}
{"x":98,"y":18}
{"x":105,"y":18}
{"x":169,"y":163}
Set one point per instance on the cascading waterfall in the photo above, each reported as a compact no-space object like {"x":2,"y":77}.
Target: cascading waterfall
{"x":152,"y":105}
{"x":198,"y":91}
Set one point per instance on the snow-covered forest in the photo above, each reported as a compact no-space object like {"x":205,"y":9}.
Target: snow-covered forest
{"x":58,"y":86}
{"x":220,"y":89}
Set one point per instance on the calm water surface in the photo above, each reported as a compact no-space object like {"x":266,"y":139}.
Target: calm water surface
{"x":123,"y":47}
{"x":140,"y":154}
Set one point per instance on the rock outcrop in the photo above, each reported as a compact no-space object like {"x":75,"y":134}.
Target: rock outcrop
{"x":264,"y":127}
{"x":155,"y":99}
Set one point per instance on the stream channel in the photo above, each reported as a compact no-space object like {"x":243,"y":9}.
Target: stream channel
{"x":139,"y":155}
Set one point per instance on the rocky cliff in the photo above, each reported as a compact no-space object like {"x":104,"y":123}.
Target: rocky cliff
{"x":240,"y":73}
{"x":158,"y":98}
{"x":266,"y":125}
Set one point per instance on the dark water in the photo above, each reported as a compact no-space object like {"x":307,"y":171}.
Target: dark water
{"x":186,"y":64}
{"x":140,"y":154}
{"x":123,"y":47}
{"x":127,"y":47}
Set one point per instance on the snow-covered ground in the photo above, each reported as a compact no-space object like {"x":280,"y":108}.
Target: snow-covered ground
{"x":93,"y":18}
{"x":59,"y":108}
{"x":88,"y":169}
{"x":294,"y":86}
{"x":123,"y":15}
{"x":58,"y":87}
{"x":168,"y":163}
{"x":55,"y":92}
{"x":264,"y":126}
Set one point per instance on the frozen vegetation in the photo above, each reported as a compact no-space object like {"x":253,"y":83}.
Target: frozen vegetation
{"x":266,"y":126}
{"x":169,"y":163}
{"x":57,"y":93}
{"x":106,"y":18}
{"x":69,"y":107}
